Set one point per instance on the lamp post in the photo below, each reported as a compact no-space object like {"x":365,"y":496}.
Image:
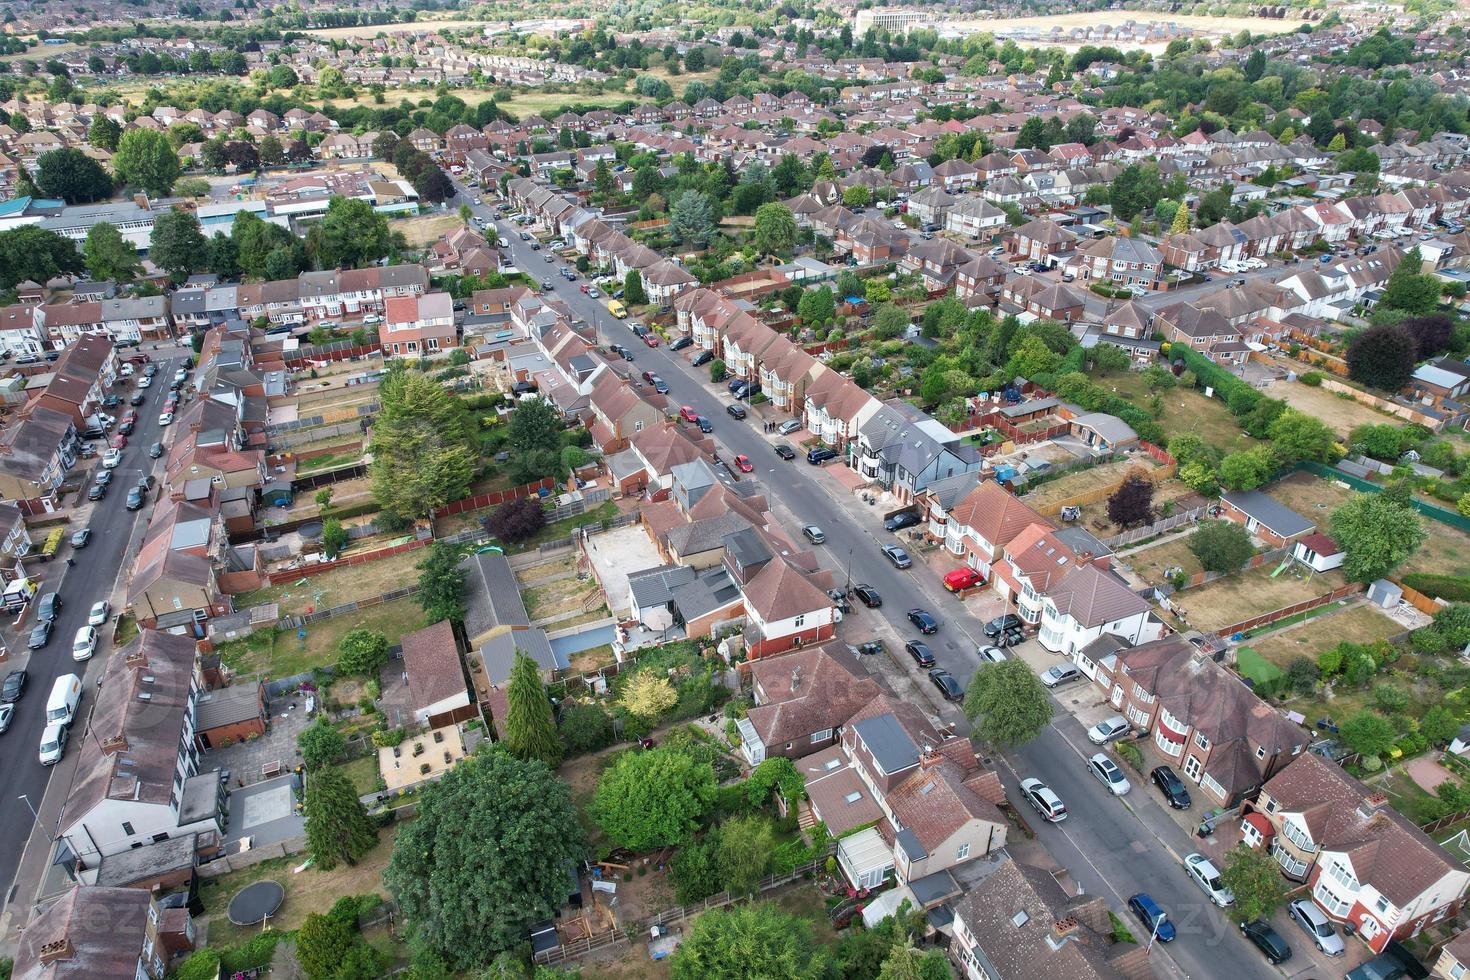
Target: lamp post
{"x":30,"y":807}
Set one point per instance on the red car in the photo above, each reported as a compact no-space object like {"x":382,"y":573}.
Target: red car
{"x":119,"y":441}
{"x":961,"y":579}
{"x":585,"y":287}
{"x":688,"y":414}
{"x":130,"y":416}
{"x":743,"y":464}
{"x":651,"y":339}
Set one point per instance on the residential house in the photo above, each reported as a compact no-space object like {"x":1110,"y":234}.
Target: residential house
{"x":36,"y":450}
{"x":1264,"y":517}
{"x":903,"y":450}
{"x":102,"y":931}
{"x":415,"y":326}
{"x":802,"y":700}
{"x":1041,"y":240}
{"x":436,"y":685}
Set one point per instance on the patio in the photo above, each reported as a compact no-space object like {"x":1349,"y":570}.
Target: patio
{"x":420,"y":758}
{"x":266,"y":757}
{"x":614,"y":556}
{"x":265,"y":812}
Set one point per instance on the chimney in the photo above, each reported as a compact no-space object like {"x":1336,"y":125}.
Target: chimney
{"x":136,"y":657}
{"x":795,"y":677}
{"x":57,"y":949}
{"x":1371,"y":805}
{"x":114,"y":744}
{"x":1062,"y":928}
{"x":929,"y":758}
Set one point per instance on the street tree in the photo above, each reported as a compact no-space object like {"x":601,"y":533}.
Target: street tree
{"x":1254,"y":878}
{"x":775,"y":229}
{"x":36,"y":253}
{"x":1007,"y":704}
{"x":422,"y":455}
{"x":1221,"y":546}
{"x":441,"y":584}
{"x":145,"y":158}
{"x":109,"y":255}
{"x":72,"y":176}
{"x":362,"y":651}
{"x":320,"y":744}
{"x":743,"y":941}
{"x":1377,"y":533}
{"x":338,"y":828}
{"x":1132,"y":504}
{"x":177,"y":242}
{"x":486,"y":855}
{"x":1382,"y":356}
{"x":530,"y":729}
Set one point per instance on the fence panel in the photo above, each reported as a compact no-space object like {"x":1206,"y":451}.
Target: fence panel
{"x":305,"y":571}
{"x":1157,"y":527}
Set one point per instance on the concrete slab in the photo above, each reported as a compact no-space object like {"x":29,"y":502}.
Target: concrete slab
{"x":265,"y":812}
{"x":266,"y":806}
{"x":615,"y":555}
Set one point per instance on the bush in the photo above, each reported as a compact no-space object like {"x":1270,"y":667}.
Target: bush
{"x":253,"y":954}
{"x":203,"y":965}
{"x":516,"y":520}
{"x":1131,"y":755}
{"x":1452,"y":588}
{"x":1221,"y":546}
{"x":1312,"y":379}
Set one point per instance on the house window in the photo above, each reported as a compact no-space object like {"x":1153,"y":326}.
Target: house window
{"x":638,"y":426}
{"x":963,"y":852}
{"x":1260,"y":752}
{"x":1382,"y":905}
{"x":1201,"y":741}
{"x":127,"y":829}
{"x":1192,"y":767}
{"x":822,"y":735}
{"x":800,"y":620}
{"x":1457,"y":971}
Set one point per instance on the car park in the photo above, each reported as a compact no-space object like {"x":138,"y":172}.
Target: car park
{"x":1060,"y":674}
{"x":925,"y":622}
{"x":743,"y":463}
{"x":1169,"y":783}
{"x":785,"y":452}
{"x":949,"y":688}
{"x":897,"y":556}
{"x":960,"y":579}
{"x":1043,"y":800}
{"x":813,"y":533}
{"x":1108,"y":729}
{"x":736,"y":411}
{"x":1107,"y":772}
{"x":97,"y":615}
{"x":820,"y":455}
{"x":1154,"y":919}
{"x":901,"y":520}
{"x":1267,"y":940}
{"x":84,"y":644}
{"x":1204,"y":874}
{"x":13,"y":687}
{"x":1314,"y":922}
{"x":867,"y":595}
{"x":921,"y":653}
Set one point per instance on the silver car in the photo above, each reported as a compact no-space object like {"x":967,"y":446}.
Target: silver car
{"x":1207,"y":876}
{"x":1060,"y":674}
{"x":1108,"y":729}
{"x":1108,"y":773}
{"x":1316,"y":924}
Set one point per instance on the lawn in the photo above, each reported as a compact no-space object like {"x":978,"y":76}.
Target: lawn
{"x":268,"y":653}
{"x":1342,"y":414}
{"x":1446,"y":551}
{"x":1309,"y":495}
{"x":1357,"y":623}
{"x":329,"y":461}
{"x":362,"y":772}
{"x":1095,"y":516}
{"x":562,"y":596}
{"x":562,"y":529}
{"x":1251,"y":664}
{"x":307,"y":892}
{"x":1150,"y":563}
{"x":1234,"y":598}
{"x":1186,"y":410}
{"x":1406,"y":796}
{"x":341,"y":585}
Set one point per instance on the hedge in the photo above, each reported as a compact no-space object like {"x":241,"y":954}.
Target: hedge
{"x":1452,"y":588}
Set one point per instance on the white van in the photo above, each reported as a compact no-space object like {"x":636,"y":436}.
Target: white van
{"x":53,"y":744}
{"x":61,"y":706}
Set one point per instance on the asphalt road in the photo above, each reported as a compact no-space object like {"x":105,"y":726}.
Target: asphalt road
{"x":91,"y":578}
{"x":1111,"y":847}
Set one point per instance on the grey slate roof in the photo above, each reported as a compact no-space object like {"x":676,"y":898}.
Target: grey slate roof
{"x":492,"y":595}
{"x":1272,"y":513}
{"x":499,"y":653}
{"x":888,"y":742}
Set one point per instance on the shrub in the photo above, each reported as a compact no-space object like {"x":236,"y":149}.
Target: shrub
{"x":203,"y":965}
{"x":1312,"y":379}
{"x":1130,"y":754}
{"x":1452,"y":588}
{"x":516,"y":520}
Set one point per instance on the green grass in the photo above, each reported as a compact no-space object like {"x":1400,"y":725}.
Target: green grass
{"x":1407,"y":797}
{"x":1256,"y":667}
{"x":328,"y":461}
{"x":267,"y":653}
{"x":362,"y":772}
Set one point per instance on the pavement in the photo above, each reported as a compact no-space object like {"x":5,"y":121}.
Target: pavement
{"x":26,"y":824}
{"x":1113,"y":847}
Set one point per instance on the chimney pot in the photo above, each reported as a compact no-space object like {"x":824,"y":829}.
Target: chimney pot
{"x":57,"y":949}
{"x":1062,"y":928}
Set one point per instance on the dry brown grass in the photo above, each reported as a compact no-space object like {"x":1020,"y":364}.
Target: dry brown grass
{"x":1236,"y":598}
{"x":1309,"y":495}
{"x":1151,"y":563}
{"x":1342,"y":414}
{"x":1358,"y":623}
{"x":424,"y":229}
{"x":1087,"y":481}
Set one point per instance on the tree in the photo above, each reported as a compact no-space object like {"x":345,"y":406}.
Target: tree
{"x":1439,"y":725}
{"x":1254,"y":878}
{"x":1110,"y":359}
{"x":1377,"y":534}
{"x":1368,"y":733}
{"x":534,"y":437}
{"x":351,"y":234}
{"x":242,"y":155}
{"x":334,"y":538}
{"x":338,"y":828}
{"x":692,"y":218}
{"x":177,"y":242}
{"x":72,"y":176}
{"x":775,"y":229}
{"x":890,"y":321}
{"x":1181,"y":221}
{"x":1431,"y":334}
{"x":33,"y":253}
{"x":907,"y":962}
{"x":1296,"y":436}
{"x":1246,"y":469}
{"x":633,"y":293}
{"x":362,"y":651}
{"x":1382,"y":356}
{"x":487,"y":855}
{"x":816,"y":307}
{"x":433,"y":185}
{"x":1408,"y":289}
{"x":585,"y":727}
{"x":1136,"y":189}
{"x":146,"y":159}
{"x":1031,"y":357}
{"x":1007,"y":703}
{"x":441,"y":584}
{"x":272,"y":153}
{"x":109,"y":255}
{"x":320,"y":744}
{"x":517,"y":520}
{"x":746,"y":845}
{"x":384,"y":144}
{"x":716,"y":371}
{"x":191,"y":187}
{"x":104,"y":133}
{"x":648,"y":695}
{"x":322,"y":943}
{"x":1221,"y":546}
{"x":744,"y":941}
{"x":422,"y":458}
{"x":1132,"y":503}
{"x":530,"y":729}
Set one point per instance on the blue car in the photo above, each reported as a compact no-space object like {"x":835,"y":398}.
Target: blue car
{"x":1152,"y":917}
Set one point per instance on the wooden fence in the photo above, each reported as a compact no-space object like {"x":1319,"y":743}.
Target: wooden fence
{"x":495,"y":497}
{"x":292,"y":574}
{"x":1286,"y":612}
{"x":330,"y":352}
{"x":1157,"y":527}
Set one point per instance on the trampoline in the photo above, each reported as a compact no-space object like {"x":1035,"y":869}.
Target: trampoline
{"x":254,"y":903}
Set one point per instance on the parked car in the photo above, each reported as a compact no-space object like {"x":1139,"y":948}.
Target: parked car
{"x":867,"y":595}
{"x":49,"y":607}
{"x":991,"y":655}
{"x":1107,"y":772}
{"x":736,"y":411}
{"x":1204,"y":874}
{"x":137,"y":399}
{"x":743,"y":463}
{"x":1169,"y":783}
{"x":926,"y":623}
{"x":1060,"y":674}
{"x":682,"y":343}
{"x":949,"y":688}
{"x":813,"y":533}
{"x":686,"y":413}
{"x":111,"y":458}
{"x":1316,"y":924}
{"x":136,"y":499}
{"x":901,"y":520}
{"x":785,"y":452}
{"x":789,"y":426}
{"x":820,"y":455}
{"x":960,"y":579}
{"x":53,"y":743}
{"x":80,"y":538}
{"x":897,"y":556}
{"x":703,"y":358}
{"x":1153,"y":918}
{"x":97,"y":490}
{"x":155,"y":450}
{"x":921,"y":653}
{"x":7,"y":712}
{"x":1043,"y":800}
{"x":40,"y":636}
{"x":13,"y":687}
{"x":99,"y":612}
{"x":1267,"y":940}
{"x":1000,"y":624}
{"x":84,"y":644}
{"x":1108,"y":729}
{"x":119,"y":441}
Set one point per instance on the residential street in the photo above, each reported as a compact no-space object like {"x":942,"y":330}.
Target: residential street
{"x":1108,"y":847}
{"x":94,"y":576}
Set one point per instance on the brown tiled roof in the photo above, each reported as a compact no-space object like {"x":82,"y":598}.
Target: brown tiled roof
{"x":935,"y":803}
{"x":431,"y":660}
{"x":104,"y":929}
{"x":778,"y":591}
{"x":1093,"y":597}
{"x":808,"y":691}
{"x":995,"y":513}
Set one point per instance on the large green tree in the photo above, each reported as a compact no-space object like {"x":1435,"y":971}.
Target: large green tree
{"x":362,"y":651}
{"x":145,"y":158}
{"x":633,"y":292}
{"x":1377,"y":533}
{"x":321,"y":744}
{"x":745,"y":850}
{"x":322,"y":943}
{"x":36,"y":254}
{"x":441,"y":584}
{"x":1007,"y":704}
{"x":655,"y":798}
{"x":742,"y":942}
{"x":534,"y":439}
{"x":72,"y":176}
{"x":350,"y":234}
{"x":1382,"y":356}
{"x":1409,"y":289}
{"x":338,"y":828}
{"x":104,"y":133}
{"x":488,"y":854}
{"x":1221,"y":546}
{"x":422,"y":455}
{"x":530,"y":728}
{"x":1296,"y":436}
{"x":775,"y":229}
{"x":1254,"y":878}
{"x":109,"y":255}
{"x":177,"y":243}
{"x":692,"y":218}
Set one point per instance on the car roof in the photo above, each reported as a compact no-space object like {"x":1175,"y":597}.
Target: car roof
{"x":1147,"y":901}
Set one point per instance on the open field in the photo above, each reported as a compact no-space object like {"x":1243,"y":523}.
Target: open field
{"x":422,"y":230}
{"x":1095,"y":516}
{"x":346,"y":584}
{"x":1309,"y":495}
{"x":267,"y":653}
{"x":1186,"y":410}
{"x":1342,"y":414}
{"x":1446,"y":551}
{"x":1358,"y":622}
{"x":1238,"y":597}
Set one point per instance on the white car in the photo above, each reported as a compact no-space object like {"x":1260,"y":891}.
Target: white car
{"x":1105,"y":731}
{"x":991,"y":655}
{"x":53,"y":743}
{"x":145,"y":382}
{"x":85,"y":645}
{"x":1043,"y":800}
{"x":167,"y":418}
{"x":7,"y":712}
{"x":1060,"y":674}
{"x":1316,"y":924}
{"x":1207,"y":876}
{"x":100,"y":611}
{"x":111,"y":458}
{"x":181,"y":375}
{"x":1108,"y":773}
{"x":126,"y":370}
{"x":372,"y":318}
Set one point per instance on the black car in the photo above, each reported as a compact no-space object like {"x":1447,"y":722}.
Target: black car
{"x":900,"y":521}
{"x":682,"y":343}
{"x":921,"y":653}
{"x":736,"y":411}
{"x":703,"y":358}
{"x":126,"y":429}
{"x":820,"y":455}
{"x":111,"y":401}
{"x":1267,"y":940}
{"x":137,"y":399}
{"x":40,"y":636}
{"x":868,"y":596}
{"x":734,"y":383}
{"x":746,"y":390}
{"x":704,"y":424}
{"x":1171,"y":786}
{"x":155,"y":450}
{"x":135,"y":499}
{"x":926,"y":623}
{"x":785,"y":452}
{"x":97,"y":491}
{"x":1003,"y":624}
{"x":13,"y":687}
{"x":948,"y":686}
{"x":661,"y":386}
{"x":50,"y":607}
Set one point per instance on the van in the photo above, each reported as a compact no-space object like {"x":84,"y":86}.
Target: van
{"x":617,"y":309}
{"x":61,"y":706}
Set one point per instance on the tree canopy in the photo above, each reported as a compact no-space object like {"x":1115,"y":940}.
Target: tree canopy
{"x":654,"y":798}
{"x":530,"y":729}
{"x":109,"y":255}
{"x":351,"y":234}
{"x":422,"y":456}
{"x":744,"y":941}
{"x":177,"y":243}
{"x":338,"y":828}
{"x":72,"y":176}
{"x":1377,"y":533}
{"x":1382,"y":356}
{"x":1007,"y":703}
{"x":441,"y":583}
{"x":145,"y":158}
{"x":33,"y":253}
